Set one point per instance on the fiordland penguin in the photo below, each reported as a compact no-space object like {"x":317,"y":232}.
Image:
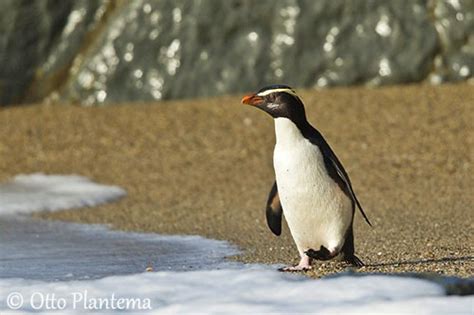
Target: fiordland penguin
{"x":311,"y":189}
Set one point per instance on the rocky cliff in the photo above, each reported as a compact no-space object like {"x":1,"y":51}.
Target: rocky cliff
{"x":99,"y":52}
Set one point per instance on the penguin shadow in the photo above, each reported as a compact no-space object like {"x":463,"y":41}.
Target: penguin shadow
{"x":422,"y":261}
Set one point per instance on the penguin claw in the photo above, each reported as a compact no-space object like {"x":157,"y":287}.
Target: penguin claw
{"x":296,"y":268}
{"x":355,"y":261}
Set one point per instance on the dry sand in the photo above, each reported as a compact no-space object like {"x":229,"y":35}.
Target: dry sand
{"x":205,"y":167}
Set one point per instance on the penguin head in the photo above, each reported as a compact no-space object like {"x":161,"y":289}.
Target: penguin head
{"x":278,"y":101}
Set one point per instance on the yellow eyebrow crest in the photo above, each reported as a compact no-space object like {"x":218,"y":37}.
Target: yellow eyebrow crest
{"x":267,"y":92}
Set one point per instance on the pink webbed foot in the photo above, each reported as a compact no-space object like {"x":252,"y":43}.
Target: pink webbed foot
{"x":304,"y":265}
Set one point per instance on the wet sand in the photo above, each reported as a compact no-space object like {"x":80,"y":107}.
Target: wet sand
{"x":205,"y":167}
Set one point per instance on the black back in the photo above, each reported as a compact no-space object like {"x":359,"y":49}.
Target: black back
{"x":333,"y":166}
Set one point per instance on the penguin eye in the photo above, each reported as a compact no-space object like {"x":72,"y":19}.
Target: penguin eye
{"x":276,"y":97}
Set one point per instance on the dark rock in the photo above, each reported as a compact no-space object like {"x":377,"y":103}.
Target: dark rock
{"x":452,"y":285}
{"x":454,"y":21}
{"x":175,"y":49}
{"x":40,"y":39}
{"x":151,"y":50}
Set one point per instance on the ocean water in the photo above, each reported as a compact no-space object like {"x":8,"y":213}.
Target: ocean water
{"x":63,"y":268}
{"x":57,"y":251}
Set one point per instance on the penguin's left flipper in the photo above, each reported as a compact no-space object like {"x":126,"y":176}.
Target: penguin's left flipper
{"x":274,"y":211}
{"x":336,"y":171}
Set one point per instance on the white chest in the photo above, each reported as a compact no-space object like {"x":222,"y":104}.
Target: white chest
{"x":299,"y":165}
{"x":317,"y":211}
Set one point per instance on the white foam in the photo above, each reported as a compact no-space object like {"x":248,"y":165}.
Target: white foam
{"x":39,"y":192}
{"x":235,"y":289}
{"x":251,"y":290}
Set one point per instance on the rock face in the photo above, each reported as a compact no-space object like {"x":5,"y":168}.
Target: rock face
{"x":97,"y":52}
{"x":38,"y":42}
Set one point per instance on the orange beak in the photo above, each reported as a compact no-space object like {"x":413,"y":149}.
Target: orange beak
{"x":252,"y":99}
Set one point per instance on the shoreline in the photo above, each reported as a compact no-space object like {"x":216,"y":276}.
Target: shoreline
{"x":406,"y":148}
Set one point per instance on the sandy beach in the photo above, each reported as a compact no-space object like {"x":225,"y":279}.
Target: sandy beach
{"x":205,"y":167}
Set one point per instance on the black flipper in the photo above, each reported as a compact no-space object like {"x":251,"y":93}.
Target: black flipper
{"x":334,"y":167}
{"x":274,"y":211}
{"x":348,"y":250}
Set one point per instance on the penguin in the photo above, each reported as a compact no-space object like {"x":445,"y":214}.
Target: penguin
{"x":311,"y":189}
